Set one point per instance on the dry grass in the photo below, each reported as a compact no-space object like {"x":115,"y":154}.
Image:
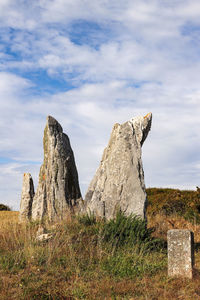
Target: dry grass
{"x":163,"y":223}
{"x":7,"y":217}
{"x":76,"y":264}
{"x":173,"y":209}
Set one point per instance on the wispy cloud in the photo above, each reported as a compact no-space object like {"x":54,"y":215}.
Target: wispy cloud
{"x":91,"y":64}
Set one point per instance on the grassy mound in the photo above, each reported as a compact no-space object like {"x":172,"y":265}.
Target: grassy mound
{"x":174,"y":202}
{"x":81,"y":253}
{"x":97,"y":259}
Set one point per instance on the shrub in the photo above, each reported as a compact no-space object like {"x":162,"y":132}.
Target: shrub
{"x":128,"y":231}
{"x":174,"y":207}
{"x":192,"y":216}
{"x":174,"y":202}
{"x":4,"y":207}
{"x":87,"y":220}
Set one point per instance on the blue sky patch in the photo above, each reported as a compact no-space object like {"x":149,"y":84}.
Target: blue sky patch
{"x":43,"y":83}
{"x":7,"y":160}
{"x":189,"y":29}
{"x":88,"y":33}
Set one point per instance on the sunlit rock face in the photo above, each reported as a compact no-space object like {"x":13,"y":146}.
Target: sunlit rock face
{"x":58,"y":189}
{"x":119,"y":181}
{"x":26,"y":198}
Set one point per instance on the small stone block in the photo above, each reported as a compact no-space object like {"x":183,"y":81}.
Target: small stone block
{"x":180,"y":252}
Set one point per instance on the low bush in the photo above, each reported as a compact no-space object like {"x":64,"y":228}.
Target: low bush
{"x":174,"y":202}
{"x":128,"y":231}
{"x":4,"y":207}
{"x":87,"y":219}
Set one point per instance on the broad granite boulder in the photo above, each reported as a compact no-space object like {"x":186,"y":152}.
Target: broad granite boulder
{"x":119,"y":181}
{"x":58,"y":189}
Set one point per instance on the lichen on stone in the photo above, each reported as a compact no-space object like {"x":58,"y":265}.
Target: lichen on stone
{"x":58,"y":185}
{"x":119,"y":181}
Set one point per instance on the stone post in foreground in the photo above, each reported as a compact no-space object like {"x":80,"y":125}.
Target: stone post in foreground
{"x":180,"y":252}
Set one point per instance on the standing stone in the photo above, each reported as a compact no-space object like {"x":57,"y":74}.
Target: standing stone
{"x":26,"y":197}
{"x":180,"y":252}
{"x":58,"y":188}
{"x":119,"y":181}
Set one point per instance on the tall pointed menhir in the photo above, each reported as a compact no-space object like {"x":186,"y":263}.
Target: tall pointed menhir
{"x":58,"y":188}
{"x":119,"y":181}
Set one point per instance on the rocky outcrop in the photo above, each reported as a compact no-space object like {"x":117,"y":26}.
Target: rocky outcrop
{"x":26,"y":197}
{"x":58,"y":189}
{"x":119,"y":181}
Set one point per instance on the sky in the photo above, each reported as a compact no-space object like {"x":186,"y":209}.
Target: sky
{"x":91,"y":64}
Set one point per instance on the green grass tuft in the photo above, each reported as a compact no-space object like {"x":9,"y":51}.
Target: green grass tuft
{"x":126,"y":231}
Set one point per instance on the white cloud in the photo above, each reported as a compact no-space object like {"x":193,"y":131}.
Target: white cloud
{"x":167,"y":152}
{"x":134,"y":57}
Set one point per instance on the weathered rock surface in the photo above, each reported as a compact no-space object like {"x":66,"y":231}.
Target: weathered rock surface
{"x":119,"y":181}
{"x":45,"y":237}
{"x":42,"y":235}
{"x":180,"y":244}
{"x":26,"y":197}
{"x":58,"y":189}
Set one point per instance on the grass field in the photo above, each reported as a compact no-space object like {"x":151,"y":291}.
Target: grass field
{"x":87,"y":259}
